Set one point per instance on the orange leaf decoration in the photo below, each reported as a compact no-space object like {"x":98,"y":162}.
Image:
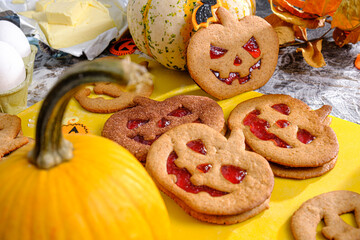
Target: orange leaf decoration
{"x":357,"y":61}
{"x":294,"y":7}
{"x":321,"y":7}
{"x":312,"y":53}
{"x":343,"y":37}
{"x":300,"y":33}
{"x":284,"y":30}
{"x":295,"y":16}
{"x":347,"y":16}
{"x":309,"y":9}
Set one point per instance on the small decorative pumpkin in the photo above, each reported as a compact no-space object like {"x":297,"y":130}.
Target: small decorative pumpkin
{"x":84,"y":187}
{"x":162,"y":29}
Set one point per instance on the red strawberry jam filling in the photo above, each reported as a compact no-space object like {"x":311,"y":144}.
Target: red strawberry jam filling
{"x":197,"y":146}
{"x":180,"y":112}
{"x":236,"y":75}
{"x":217,"y":52}
{"x":282,"y":123}
{"x":259,"y":128}
{"x":135,"y":123}
{"x":304,"y":136}
{"x":252,"y":47}
{"x":237,"y":61}
{"x":233,"y":174}
{"x":163,"y":123}
{"x":204,"y":168}
{"x":282,"y":108}
{"x":140,"y":139}
{"x":198,"y":121}
{"x":183,"y":179}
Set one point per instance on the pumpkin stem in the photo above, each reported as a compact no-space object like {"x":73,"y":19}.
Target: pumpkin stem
{"x":51,"y":148}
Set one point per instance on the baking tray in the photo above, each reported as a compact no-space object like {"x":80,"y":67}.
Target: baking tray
{"x":287,"y":195}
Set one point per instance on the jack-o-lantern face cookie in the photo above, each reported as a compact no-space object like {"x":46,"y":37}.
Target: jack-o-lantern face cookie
{"x":138,"y":127}
{"x":213,"y":178}
{"x":328,"y":207}
{"x":10,"y":134}
{"x":233,"y":57}
{"x":286,"y":131}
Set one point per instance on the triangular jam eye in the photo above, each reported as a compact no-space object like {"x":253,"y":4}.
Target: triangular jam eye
{"x":233,"y":174}
{"x":217,"y":52}
{"x":252,"y":47}
{"x":197,"y":146}
{"x":237,"y":61}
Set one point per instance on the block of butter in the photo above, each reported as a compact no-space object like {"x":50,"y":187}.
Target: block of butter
{"x":41,"y":5}
{"x":66,"y":23}
{"x":65,"y":13}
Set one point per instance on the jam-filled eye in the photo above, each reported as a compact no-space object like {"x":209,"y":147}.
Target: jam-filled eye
{"x":197,"y":146}
{"x":233,"y":174}
{"x":252,"y":47}
{"x":135,"y":123}
{"x":282,"y":108}
{"x":217,"y":52}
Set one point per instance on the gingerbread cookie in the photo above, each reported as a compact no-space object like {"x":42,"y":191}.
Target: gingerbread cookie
{"x":213,"y":178}
{"x":283,"y":129}
{"x":120,"y":99}
{"x":233,"y":57}
{"x":302,"y":172}
{"x":10,"y":134}
{"x":287,"y":132}
{"x":328,"y":207}
{"x":138,"y":127}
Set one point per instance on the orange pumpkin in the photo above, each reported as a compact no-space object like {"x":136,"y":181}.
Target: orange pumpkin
{"x":82,"y":187}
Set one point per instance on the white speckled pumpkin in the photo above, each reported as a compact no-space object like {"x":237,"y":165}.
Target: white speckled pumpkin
{"x":162,"y":29}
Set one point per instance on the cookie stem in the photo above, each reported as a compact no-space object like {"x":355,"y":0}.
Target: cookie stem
{"x":51,"y":148}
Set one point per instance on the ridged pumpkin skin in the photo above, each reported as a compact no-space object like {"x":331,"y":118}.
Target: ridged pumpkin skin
{"x":162,"y":29}
{"x":103,"y":193}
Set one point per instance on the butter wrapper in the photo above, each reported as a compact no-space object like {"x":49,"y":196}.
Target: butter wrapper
{"x":91,"y":48}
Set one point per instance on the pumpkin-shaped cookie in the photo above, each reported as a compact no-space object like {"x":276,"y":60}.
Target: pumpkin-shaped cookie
{"x":327,"y":207}
{"x":138,"y":127}
{"x":233,"y":57}
{"x":286,"y":131}
{"x":213,"y":178}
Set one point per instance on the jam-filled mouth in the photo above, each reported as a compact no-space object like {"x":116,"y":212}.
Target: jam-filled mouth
{"x":236,"y":75}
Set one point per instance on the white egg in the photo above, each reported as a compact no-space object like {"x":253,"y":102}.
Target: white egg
{"x":13,"y":35}
{"x":12,"y":69}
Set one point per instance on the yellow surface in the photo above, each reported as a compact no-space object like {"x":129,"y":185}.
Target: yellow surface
{"x":287,"y":195}
{"x":66,"y":23}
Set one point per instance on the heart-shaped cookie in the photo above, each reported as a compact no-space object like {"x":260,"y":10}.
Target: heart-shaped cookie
{"x":213,"y":178}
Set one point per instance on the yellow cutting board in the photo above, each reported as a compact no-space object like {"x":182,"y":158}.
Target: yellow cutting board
{"x":287,"y":195}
